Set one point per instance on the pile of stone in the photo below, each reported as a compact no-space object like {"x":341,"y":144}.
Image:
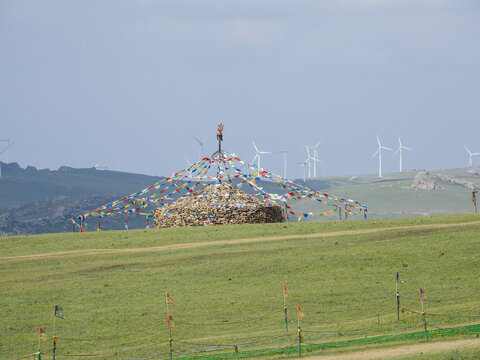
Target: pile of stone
{"x":424,"y":181}
{"x":217,"y":204}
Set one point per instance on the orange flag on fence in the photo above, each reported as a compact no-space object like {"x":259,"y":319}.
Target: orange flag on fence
{"x":301,"y":315}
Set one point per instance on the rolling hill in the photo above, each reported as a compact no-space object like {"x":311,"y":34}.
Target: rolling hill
{"x":38,"y":201}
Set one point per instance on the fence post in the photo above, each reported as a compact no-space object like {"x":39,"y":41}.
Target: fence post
{"x":300,"y":315}
{"x":169,"y":301}
{"x":398,"y":299}
{"x":285,"y":290}
{"x":423,"y":314}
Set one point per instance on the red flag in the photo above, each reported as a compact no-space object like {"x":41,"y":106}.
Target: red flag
{"x":301,"y":315}
{"x":169,"y":300}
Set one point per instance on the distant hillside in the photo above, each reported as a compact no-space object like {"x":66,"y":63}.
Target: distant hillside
{"x":412,"y":193}
{"x":20,"y":186}
{"x":39,"y":201}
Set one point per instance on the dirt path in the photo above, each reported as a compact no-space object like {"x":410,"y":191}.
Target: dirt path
{"x":6,"y":259}
{"x":404,"y":350}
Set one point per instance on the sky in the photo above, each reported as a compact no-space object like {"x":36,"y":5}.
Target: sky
{"x":127,"y":84}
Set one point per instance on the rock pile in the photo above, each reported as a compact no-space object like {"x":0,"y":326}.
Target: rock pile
{"x":423,"y":181}
{"x":426,"y":181}
{"x":217,"y":204}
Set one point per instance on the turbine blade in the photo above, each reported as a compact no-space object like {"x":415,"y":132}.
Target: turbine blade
{"x":197,"y":140}
{"x":386,"y":148}
{"x":255,"y":146}
{"x":316,"y":145}
{"x":376,"y":152}
{"x":308,"y":149}
{"x":255,"y":158}
{"x":469,"y":152}
{"x":407,"y":148}
{"x":399,"y":141}
{"x":397,"y":151}
{"x":378,"y":140}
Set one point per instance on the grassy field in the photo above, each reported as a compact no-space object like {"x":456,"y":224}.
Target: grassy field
{"x":228,"y":294}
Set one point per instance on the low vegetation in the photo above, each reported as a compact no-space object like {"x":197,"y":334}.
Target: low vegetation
{"x":229,"y":296}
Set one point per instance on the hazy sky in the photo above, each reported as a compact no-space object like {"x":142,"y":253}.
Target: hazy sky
{"x":128,"y":83}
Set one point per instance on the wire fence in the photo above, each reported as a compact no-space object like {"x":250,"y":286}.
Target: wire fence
{"x":267,"y":334}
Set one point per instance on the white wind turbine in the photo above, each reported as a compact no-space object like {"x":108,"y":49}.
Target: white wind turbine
{"x":399,"y":151}
{"x":315,"y":158}
{"x":470,"y":162}
{"x":2,"y":151}
{"x":8,"y":147}
{"x":284,"y":162}
{"x":309,"y":160}
{"x":304,"y":165}
{"x":379,"y":152}
{"x":259,"y":154}
{"x":201,"y":150}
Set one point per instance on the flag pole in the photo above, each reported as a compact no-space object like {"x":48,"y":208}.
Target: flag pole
{"x":398,"y":298}
{"x":423,"y":314}
{"x":167,"y":302}
{"x":39,"y":335}
{"x":285,"y":306}
{"x":54,"y":331}
{"x":39,"y":353}
{"x":299,"y":332}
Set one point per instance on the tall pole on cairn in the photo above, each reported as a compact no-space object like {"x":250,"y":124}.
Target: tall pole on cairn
{"x":220,"y":137}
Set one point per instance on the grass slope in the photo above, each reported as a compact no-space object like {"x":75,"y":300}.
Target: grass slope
{"x":393,"y":197}
{"x":344,"y":283}
{"x":20,"y":186}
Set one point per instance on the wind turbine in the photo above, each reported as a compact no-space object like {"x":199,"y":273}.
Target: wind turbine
{"x":309,"y":158}
{"x":8,"y":147}
{"x":201,"y":150}
{"x":315,"y":158}
{"x":258,"y":154}
{"x":470,"y":162}
{"x":2,"y":151}
{"x":379,"y":152}
{"x":399,"y":151}
{"x":284,"y":162}
{"x":304,"y":165}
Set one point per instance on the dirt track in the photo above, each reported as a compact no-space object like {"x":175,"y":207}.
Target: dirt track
{"x":6,"y":259}
{"x":405,"y":350}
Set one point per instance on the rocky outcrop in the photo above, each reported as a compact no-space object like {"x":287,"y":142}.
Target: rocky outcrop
{"x":217,"y":204}
{"x":452,"y":180}
{"x":426,"y":181}
{"x":423,"y":181}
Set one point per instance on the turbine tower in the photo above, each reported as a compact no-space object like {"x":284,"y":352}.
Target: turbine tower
{"x":399,"y":151}
{"x":258,"y":155}
{"x":304,"y":165}
{"x":315,"y":158}
{"x":1,"y":153}
{"x":284,"y":162}
{"x":470,"y":162}
{"x":309,"y":160}
{"x":8,"y":147}
{"x":379,"y":152}
{"x":201,"y":151}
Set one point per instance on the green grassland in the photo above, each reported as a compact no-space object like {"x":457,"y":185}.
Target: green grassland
{"x":232,"y":294}
{"x":393,"y":197}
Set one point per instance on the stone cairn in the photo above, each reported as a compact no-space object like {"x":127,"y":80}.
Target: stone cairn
{"x":224,"y":204}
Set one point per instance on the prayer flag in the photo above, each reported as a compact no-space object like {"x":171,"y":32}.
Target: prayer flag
{"x":301,"y":315}
{"x":42,"y":334}
{"x":169,"y":300}
{"x":58,"y":312}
